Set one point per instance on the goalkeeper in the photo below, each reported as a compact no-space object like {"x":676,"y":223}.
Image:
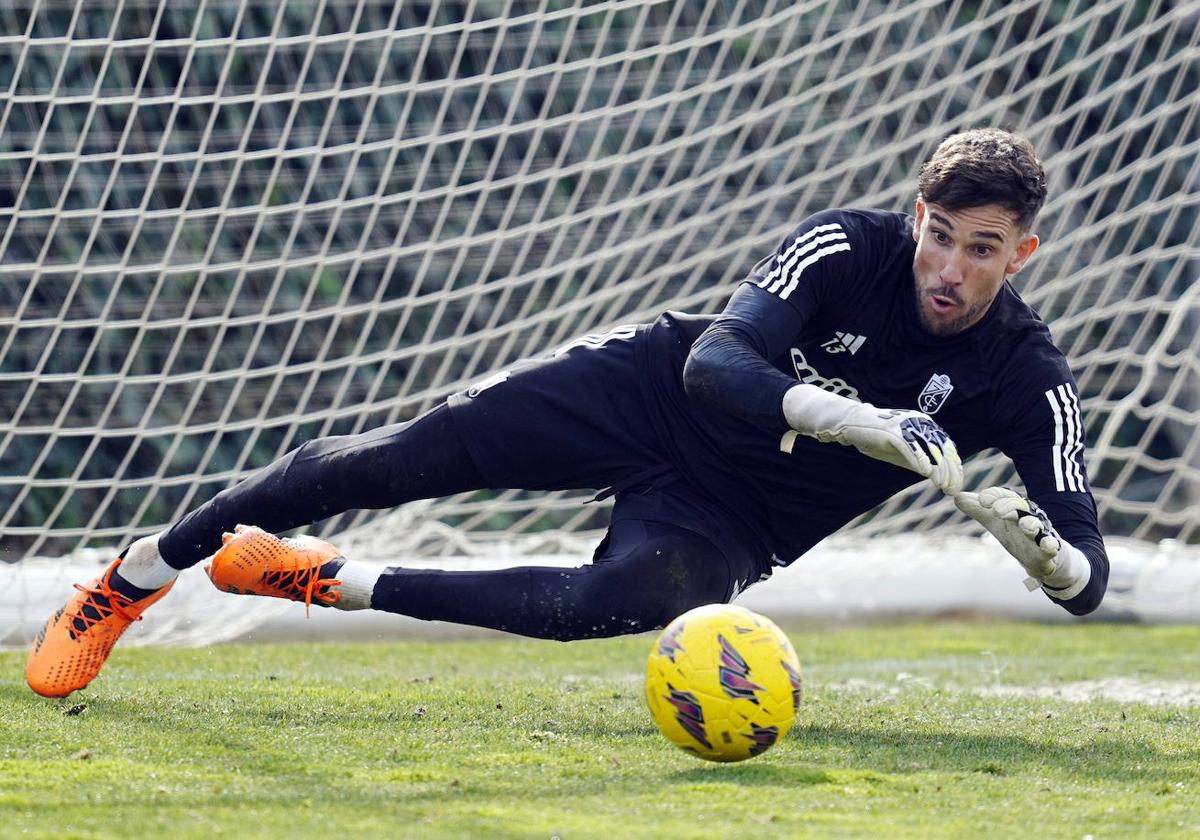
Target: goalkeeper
{"x":870,"y":351}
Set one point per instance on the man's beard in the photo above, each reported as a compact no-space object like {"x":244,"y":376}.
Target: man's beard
{"x":966,"y":317}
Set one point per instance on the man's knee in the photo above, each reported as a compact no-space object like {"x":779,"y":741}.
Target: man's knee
{"x":309,"y":465}
{"x":355,"y":470}
{"x":390,"y":465}
{"x":643,"y":581}
{"x":691,"y":572}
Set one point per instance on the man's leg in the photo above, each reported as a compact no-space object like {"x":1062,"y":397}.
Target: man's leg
{"x":573,"y":420}
{"x":644,"y":574}
{"x":382,"y":468}
{"x":422,"y":459}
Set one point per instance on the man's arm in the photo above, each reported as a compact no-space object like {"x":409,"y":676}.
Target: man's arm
{"x":730,"y":364}
{"x":1054,"y":533}
{"x":1073,"y":574}
{"x":728,"y":370}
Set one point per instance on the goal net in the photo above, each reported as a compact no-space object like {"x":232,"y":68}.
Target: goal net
{"x":228,"y":227}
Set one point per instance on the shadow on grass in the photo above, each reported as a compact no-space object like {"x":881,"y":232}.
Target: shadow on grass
{"x":904,"y":753}
{"x":751,"y":773}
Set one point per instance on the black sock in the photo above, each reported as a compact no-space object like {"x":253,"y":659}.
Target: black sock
{"x":124,"y":587}
{"x":329,"y":569}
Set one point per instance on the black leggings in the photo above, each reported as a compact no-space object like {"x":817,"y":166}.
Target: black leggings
{"x":642,"y":576}
{"x":382,"y":468}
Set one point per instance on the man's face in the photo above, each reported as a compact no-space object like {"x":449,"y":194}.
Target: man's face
{"x":962,"y":259}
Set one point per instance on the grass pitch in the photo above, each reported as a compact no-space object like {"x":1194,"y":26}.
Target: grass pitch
{"x":911,"y":730}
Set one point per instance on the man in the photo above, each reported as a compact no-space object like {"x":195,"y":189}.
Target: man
{"x":865,"y":354}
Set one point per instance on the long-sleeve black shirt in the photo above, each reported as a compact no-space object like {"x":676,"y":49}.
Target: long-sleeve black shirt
{"x":835,"y":306}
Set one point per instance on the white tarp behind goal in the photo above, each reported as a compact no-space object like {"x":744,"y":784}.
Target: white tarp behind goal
{"x":230,"y":227}
{"x":843,"y":579}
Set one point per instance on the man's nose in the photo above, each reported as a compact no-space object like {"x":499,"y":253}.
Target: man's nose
{"x":952,"y":272}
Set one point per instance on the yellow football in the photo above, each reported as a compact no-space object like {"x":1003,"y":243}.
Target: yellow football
{"x":723,"y":683}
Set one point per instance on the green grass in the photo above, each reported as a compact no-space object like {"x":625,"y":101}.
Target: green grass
{"x":898,"y":737}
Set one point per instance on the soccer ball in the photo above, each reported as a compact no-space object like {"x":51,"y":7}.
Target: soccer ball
{"x":723,"y":683}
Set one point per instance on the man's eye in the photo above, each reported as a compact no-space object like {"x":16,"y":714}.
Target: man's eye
{"x":983,"y":250}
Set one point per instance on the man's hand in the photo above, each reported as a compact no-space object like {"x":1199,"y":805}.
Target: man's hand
{"x":1026,"y":532}
{"x":908,"y":439}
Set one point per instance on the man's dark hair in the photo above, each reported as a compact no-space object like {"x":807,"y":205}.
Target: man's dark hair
{"x":985,"y":166}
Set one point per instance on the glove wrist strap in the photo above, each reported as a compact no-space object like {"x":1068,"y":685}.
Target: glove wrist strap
{"x":814,"y":411}
{"x":1071,"y":575}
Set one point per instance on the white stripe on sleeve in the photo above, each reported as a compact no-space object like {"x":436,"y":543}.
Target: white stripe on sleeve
{"x":795,"y":281}
{"x":1075,"y":420}
{"x":1068,"y":439}
{"x":784,"y":275}
{"x":1058,"y":441}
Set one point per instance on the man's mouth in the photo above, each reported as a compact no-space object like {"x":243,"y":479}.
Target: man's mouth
{"x":942,"y":303}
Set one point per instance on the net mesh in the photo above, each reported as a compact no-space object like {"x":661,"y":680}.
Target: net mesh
{"x":227,"y":228}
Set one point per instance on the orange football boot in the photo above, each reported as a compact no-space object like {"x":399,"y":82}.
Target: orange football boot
{"x":253,"y":562}
{"x":70,"y":649}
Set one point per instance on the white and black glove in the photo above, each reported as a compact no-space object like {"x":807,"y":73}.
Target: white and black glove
{"x":1025,"y":531}
{"x":908,"y":439}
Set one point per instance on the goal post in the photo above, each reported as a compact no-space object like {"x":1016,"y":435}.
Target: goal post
{"x":230,"y":227}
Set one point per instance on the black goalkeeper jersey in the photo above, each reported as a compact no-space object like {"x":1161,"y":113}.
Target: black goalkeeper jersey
{"x":835,"y":307}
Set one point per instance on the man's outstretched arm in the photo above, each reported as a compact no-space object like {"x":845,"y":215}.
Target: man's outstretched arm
{"x":1054,"y":533}
{"x":1072,"y":572}
{"x":728,"y":369}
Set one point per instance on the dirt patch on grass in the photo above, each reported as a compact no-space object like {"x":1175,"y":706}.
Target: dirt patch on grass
{"x":1117,"y":689}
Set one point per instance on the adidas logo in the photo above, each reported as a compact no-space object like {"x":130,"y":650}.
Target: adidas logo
{"x":843,"y":342}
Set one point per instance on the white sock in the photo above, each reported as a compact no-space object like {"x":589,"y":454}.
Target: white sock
{"x":144,"y":567}
{"x":358,"y":585}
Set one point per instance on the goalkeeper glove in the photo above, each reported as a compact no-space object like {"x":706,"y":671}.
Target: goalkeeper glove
{"x":908,"y":439}
{"x":1025,"y":531}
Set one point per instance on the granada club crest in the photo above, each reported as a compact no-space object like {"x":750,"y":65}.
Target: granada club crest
{"x":933,"y":395}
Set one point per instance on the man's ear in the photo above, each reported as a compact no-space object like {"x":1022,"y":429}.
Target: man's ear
{"x":1025,"y":249}
{"x":920,"y":213}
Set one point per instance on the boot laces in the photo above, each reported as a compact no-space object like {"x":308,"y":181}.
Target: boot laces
{"x":101,"y":601}
{"x":304,"y":579}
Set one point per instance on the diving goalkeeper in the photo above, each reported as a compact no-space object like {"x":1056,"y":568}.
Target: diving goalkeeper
{"x":870,"y":351}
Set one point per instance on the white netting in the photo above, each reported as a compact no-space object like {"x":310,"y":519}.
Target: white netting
{"x":229,"y":227}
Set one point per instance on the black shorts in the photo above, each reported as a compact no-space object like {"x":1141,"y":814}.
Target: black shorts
{"x":571,"y":421}
{"x":578,"y":420}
